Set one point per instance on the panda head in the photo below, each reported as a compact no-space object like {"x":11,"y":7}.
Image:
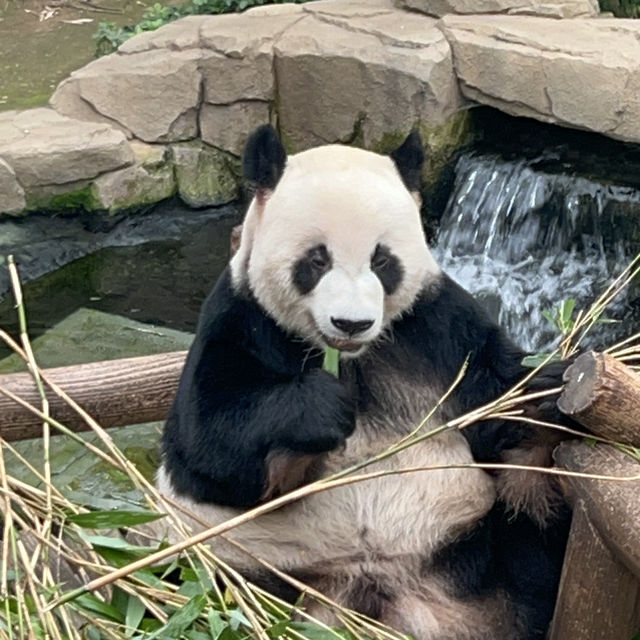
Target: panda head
{"x":332,"y":245}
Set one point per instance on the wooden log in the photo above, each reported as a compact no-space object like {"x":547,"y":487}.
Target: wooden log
{"x":613,"y":507}
{"x":599,"y":598}
{"x":114,"y":392}
{"x":603,"y":394}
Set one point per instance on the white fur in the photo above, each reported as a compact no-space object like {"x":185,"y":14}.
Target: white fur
{"x":350,"y":200}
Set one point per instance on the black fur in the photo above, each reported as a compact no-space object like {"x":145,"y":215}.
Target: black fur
{"x":247,"y":388}
{"x":264,"y":158}
{"x":409,"y":158}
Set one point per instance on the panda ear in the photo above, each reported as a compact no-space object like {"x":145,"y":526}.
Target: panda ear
{"x":409,"y":158}
{"x":264,"y":159}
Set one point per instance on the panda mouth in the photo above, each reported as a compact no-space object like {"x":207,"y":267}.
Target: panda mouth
{"x":342,"y":344}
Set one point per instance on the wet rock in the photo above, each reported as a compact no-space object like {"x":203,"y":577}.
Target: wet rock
{"x":150,"y":179}
{"x":358,"y":72}
{"x":82,"y":476}
{"x":71,"y":196}
{"x":45,"y":148}
{"x":153,"y":95}
{"x":12,"y":200}
{"x":206,"y":176}
{"x":88,"y":335}
{"x":547,"y":8}
{"x":577,"y":73}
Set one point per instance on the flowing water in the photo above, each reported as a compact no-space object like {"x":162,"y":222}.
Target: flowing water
{"x":523,"y":239}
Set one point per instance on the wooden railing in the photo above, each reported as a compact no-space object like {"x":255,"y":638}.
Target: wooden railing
{"x":115,"y":392}
{"x":599,"y":596}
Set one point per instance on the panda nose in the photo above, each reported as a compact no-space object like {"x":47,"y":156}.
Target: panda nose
{"x":351,"y":327}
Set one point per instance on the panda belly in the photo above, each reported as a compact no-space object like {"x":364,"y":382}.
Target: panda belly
{"x":408,"y":515}
{"x":366,"y":545}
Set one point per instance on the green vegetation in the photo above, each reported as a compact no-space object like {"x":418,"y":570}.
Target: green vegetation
{"x":622,"y":8}
{"x":109,"y":36}
{"x":331,"y":362}
{"x":563,"y":319}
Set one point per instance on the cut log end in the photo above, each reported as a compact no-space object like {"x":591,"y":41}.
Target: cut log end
{"x":580,"y":384}
{"x":603,"y":394}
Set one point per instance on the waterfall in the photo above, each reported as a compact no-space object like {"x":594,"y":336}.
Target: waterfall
{"x":523,"y":239}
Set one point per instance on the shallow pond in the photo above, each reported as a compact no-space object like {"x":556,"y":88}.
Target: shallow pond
{"x":154,"y":268}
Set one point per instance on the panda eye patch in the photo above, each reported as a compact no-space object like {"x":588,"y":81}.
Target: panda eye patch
{"x":387,"y":267}
{"x":309,"y":269}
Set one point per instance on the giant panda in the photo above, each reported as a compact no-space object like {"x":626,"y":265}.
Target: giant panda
{"x":333,"y":254}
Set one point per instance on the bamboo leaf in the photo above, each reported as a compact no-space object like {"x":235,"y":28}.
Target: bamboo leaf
{"x":134,"y":615}
{"x":113,"y":518}
{"x":216,"y":624}
{"x":181,"y":619}
{"x":567,"y":310}
{"x":549,"y":317}
{"x":109,"y":542}
{"x":90,"y":603}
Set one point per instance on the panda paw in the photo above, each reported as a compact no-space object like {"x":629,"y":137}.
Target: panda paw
{"x":326,"y":419}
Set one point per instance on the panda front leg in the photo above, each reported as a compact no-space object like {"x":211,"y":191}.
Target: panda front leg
{"x":239,"y":458}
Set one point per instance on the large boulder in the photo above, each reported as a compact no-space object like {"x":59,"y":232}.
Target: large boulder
{"x":578,"y":73}
{"x":361,"y":72}
{"x":328,"y":71}
{"x":153,"y":95}
{"x":43,"y":147}
{"x":226,"y":125}
{"x":547,"y":8}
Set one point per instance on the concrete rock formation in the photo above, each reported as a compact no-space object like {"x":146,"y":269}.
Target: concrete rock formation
{"x":169,"y":111}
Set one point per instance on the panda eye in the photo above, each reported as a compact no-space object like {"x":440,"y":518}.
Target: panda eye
{"x":319,"y":258}
{"x":309,"y":269}
{"x":379,"y":262}
{"x":380,"y":259}
{"x":319,"y":262}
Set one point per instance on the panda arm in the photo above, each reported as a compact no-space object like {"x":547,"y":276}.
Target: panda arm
{"x":494,"y":367}
{"x":244,"y":403}
{"x":457,"y":328}
{"x":501,"y":370}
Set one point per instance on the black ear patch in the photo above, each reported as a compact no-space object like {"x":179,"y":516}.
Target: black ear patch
{"x":409,"y":158}
{"x":264,"y":158}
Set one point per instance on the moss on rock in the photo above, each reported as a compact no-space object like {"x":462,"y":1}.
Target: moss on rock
{"x":206,"y":176}
{"x":57,"y":198}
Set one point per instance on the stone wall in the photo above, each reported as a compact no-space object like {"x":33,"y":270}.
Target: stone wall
{"x":169,"y":112}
